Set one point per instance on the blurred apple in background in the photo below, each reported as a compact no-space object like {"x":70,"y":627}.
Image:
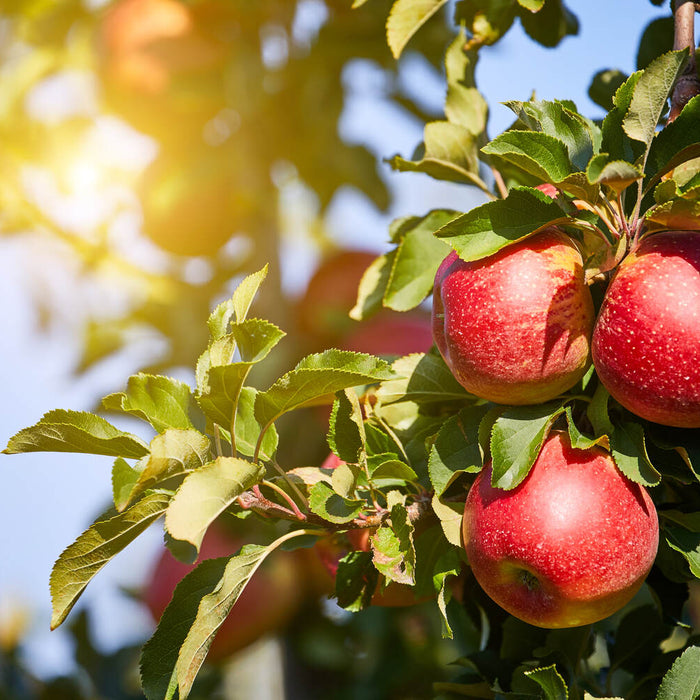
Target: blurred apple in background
{"x":269,"y":601}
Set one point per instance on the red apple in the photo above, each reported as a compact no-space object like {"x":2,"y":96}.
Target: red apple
{"x":568,"y":546}
{"x":646,"y":342}
{"x":515,"y":327}
{"x":266,"y":605}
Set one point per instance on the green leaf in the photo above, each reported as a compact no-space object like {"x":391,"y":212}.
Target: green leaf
{"x":615,"y":140}
{"x":464,"y":104}
{"x":549,"y":679}
{"x":538,"y":154}
{"x":516,"y":439}
{"x":355,"y":581}
{"x":161,"y":401}
{"x":393,"y":552}
{"x":682,"y":681}
{"x":416,"y":261}
{"x":617,"y":174}
{"x":650,"y":95}
{"x":344,"y":479}
{"x":316,"y":376}
{"x":237,"y":307}
{"x":492,"y":226}
{"x":563,"y":122}
{"x":551,"y":24}
{"x":578,"y":440}
{"x":486,"y":20}
{"x":386,"y":466}
{"x":222,"y":392}
{"x":327,"y":504}
{"x":206,"y":493}
{"x":597,"y":411}
{"x":173,"y":454}
{"x":450,"y":153}
{"x":604,"y":85}
{"x":630,"y":454}
{"x":425,"y":378}
{"x":346,"y":434}
{"x":676,"y":142}
{"x":406,"y":18}
{"x":532,"y":5}
{"x":656,"y":40}
{"x":106,"y":537}
{"x":450,"y":517}
{"x":201,"y":602}
{"x":456,"y":449}
{"x":373,"y":284}
{"x":124,"y":478}
{"x":678,"y":214}
{"x":248,"y":429}
{"x":76,"y":431}
{"x":686,"y":543}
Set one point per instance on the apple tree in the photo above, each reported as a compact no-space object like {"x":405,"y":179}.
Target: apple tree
{"x":534,"y":475}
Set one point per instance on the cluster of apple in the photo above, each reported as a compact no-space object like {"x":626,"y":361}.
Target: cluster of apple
{"x":574,"y":541}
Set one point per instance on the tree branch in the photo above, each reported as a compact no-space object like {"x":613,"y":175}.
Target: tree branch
{"x":688,"y":84}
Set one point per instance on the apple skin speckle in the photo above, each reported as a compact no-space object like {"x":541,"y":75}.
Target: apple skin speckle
{"x":646,"y":342}
{"x":568,"y":546}
{"x":515,"y":327}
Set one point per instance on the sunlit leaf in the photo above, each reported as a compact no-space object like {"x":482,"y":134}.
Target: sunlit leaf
{"x":206,"y":493}
{"x":326,"y":503}
{"x":630,"y":454}
{"x":161,"y":401}
{"x":76,"y":431}
{"x":682,"y":681}
{"x":406,"y":18}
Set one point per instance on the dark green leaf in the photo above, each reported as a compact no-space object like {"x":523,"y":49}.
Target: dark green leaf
{"x":346,"y":429}
{"x":687,"y":544}
{"x":630,"y":454}
{"x":488,"y":228}
{"x":161,"y":401}
{"x":551,"y":24}
{"x":76,"y":431}
{"x":615,"y":140}
{"x":604,"y":85}
{"x":386,"y":466}
{"x":206,"y":493}
{"x":105,"y":538}
{"x":456,"y":449}
{"x":486,"y":20}
{"x":355,"y":581}
{"x":516,"y":439}
{"x":579,"y":441}
{"x":657,"y":39}
{"x":597,"y":411}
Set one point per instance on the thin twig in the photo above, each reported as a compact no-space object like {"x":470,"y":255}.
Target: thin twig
{"x":286,"y":497}
{"x":217,"y":441}
{"x":500,"y":183}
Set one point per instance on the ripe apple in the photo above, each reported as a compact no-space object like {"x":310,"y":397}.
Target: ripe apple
{"x":267,"y":603}
{"x":646,"y":341}
{"x":568,"y":546}
{"x":515,"y":327}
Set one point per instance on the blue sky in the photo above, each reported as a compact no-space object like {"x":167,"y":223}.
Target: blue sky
{"x":47,"y":500}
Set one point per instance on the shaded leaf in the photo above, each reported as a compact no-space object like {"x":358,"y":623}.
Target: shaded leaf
{"x":604,"y":85}
{"x":551,"y":24}
{"x":327,"y":504}
{"x":630,"y":454}
{"x":549,"y":679}
{"x":105,"y":538}
{"x":355,"y":581}
{"x":617,"y":174}
{"x":346,"y":429}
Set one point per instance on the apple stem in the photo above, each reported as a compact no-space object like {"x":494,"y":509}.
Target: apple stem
{"x":688,"y":85}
